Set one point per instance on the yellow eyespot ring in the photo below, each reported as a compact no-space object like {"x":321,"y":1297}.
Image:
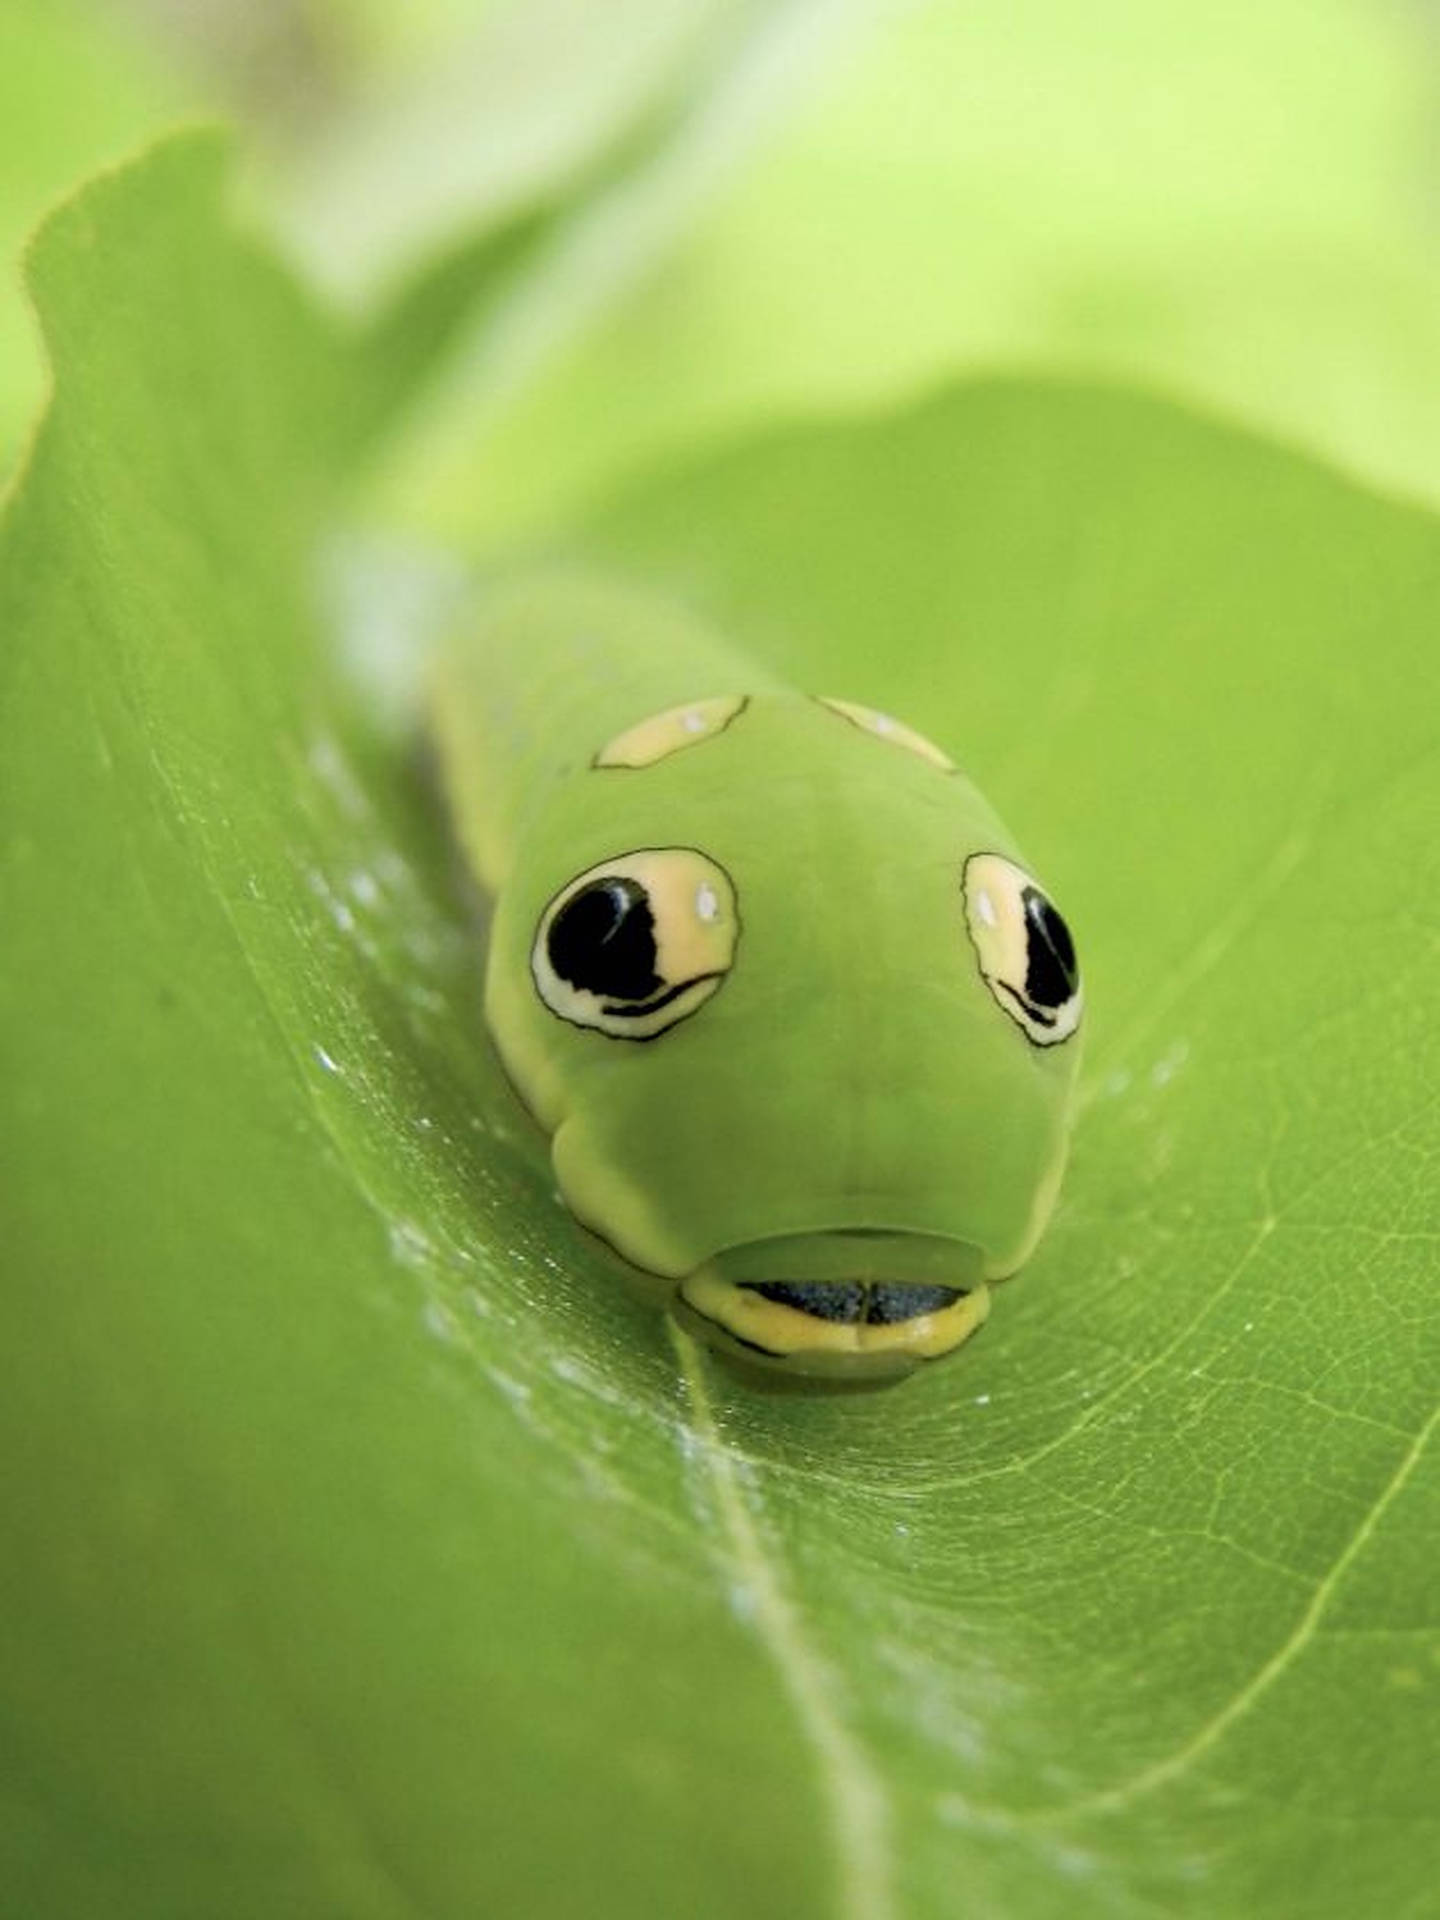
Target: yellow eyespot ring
{"x":1026,"y":955}
{"x":631,"y":947}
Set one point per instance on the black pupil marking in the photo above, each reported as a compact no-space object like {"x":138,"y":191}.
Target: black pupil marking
{"x":642,"y":1009}
{"x":602,"y":940}
{"x":1039,"y":1015}
{"x":851,"y":1303}
{"x":1051,"y":972}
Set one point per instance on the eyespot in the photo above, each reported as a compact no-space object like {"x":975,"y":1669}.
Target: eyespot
{"x":869,"y":720}
{"x":1027,"y":958}
{"x":638,"y":943}
{"x":670,"y":732}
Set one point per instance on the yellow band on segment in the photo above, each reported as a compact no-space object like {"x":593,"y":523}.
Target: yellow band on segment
{"x":871,"y":720}
{"x":785,"y":1332}
{"x":669,"y":732}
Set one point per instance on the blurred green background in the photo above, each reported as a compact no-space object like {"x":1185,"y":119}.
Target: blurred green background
{"x":848,"y":201}
{"x":1065,"y":379}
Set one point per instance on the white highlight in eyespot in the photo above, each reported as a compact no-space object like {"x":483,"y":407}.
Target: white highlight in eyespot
{"x":985,"y":907}
{"x":707,"y":902}
{"x":884,"y":724}
{"x":694,"y":723}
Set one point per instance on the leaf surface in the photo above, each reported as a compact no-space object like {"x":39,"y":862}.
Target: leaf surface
{"x":370,"y":1551}
{"x":75,"y":88}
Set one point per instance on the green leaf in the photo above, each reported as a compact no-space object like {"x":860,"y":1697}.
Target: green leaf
{"x":75,"y":88}
{"x":310,"y":1606}
{"x":369,"y":1550}
{"x":1134,"y":1607}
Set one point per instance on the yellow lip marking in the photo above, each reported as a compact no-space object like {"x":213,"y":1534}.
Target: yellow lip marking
{"x":787,"y":1333}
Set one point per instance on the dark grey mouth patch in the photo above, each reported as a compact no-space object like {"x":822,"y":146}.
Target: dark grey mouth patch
{"x":851,"y":1303}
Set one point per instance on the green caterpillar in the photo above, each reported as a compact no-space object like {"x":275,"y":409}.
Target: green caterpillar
{"x":770,"y":971}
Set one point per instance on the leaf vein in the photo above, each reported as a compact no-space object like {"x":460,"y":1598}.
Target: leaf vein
{"x":856,"y":1795}
{"x":1161,"y":1772}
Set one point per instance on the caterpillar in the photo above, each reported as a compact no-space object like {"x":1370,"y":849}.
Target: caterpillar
{"x":802,"y":1025}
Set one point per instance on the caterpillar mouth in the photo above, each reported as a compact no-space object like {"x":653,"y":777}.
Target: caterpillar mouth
{"x":842,"y":1302}
{"x":874,"y":1303}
